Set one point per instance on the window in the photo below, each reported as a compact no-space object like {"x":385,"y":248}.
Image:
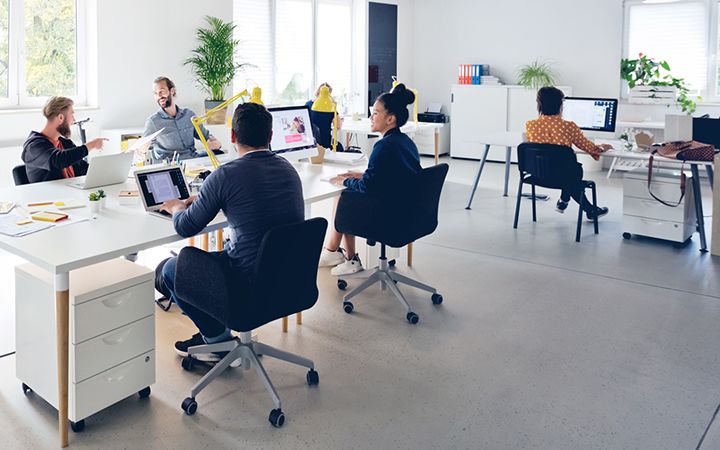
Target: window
{"x":294,"y":45}
{"x":40,"y":51}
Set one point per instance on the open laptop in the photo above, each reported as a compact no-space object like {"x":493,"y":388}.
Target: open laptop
{"x":160,"y":184}
{"x":105,"y":170}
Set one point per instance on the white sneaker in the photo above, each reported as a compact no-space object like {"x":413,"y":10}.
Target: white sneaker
{"x":329,"y":259}
{"x":350,"y":266}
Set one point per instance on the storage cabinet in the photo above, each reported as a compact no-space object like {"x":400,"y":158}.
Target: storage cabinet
{"x":643,"y":215}
{"x":112,"y":334}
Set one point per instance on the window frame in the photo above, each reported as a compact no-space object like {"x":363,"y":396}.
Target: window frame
{"x":17,"y":97}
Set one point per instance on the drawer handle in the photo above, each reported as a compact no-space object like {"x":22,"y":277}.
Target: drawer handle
{"x":114,"y":302}
{"x":117,"y":338}
{"x":115,"y":379}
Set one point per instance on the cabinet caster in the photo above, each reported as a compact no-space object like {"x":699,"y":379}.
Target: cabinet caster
{"x":189,"y":405}
{"x":144,"y":393}
{"x":26,"y":389}
{"x":188,"y":363}
{"x":627,"y":235}
{"x":437,"y":299}
{"x":348,"y":307}
{"x":341,"y":284}
{"x":78,"y":426}
{"x":412,"y":318}
{"x":277,"y":418}
{"x":391,"y":263}
{"x":313,"y":378}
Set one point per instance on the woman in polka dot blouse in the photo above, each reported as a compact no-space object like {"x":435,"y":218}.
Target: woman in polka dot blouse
{"x":550,"y":128}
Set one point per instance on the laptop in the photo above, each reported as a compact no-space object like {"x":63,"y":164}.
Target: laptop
{"x":160,"y":184}
{"x":105,"y":170}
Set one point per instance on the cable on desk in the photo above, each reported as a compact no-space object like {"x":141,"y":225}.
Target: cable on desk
{"x":7,"y":354}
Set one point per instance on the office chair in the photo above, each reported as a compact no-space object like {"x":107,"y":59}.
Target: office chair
{"x":20,"y":175}
{"x":268,"y":295}
{"x":548,"y":166}
{"x":394,"y":225}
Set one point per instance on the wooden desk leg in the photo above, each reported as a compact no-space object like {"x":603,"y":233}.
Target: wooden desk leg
{"x":284,"y":324}
{"x":437,"y":146}
{"x":62,"y":301}
{"x":219,"y":240}
{"x":205,"y":242}
{"x":409,"y":254}
{"x":191,"y":242}
{"x":298,"y":318}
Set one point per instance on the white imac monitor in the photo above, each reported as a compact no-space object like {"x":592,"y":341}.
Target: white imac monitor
{"x":292,"y":132}
{"x":591,"y":114}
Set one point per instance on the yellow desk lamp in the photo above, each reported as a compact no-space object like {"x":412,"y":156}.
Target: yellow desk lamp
{"x":325,"y":103}
{"x":415,"y":104}
{"x":198,"y":120}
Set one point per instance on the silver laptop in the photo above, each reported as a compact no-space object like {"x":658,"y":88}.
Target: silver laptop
{"x":105,"y":170}
{"x":160,"y":184}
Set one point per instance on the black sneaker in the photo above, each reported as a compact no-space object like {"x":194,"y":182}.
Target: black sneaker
{"x":598,"y":213}
{"x":561,"y":206}
{"x":181,"y":347}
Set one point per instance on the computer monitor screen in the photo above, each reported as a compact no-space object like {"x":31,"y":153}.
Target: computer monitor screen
{"x":159,"y":186}
{"x":592,"y":114}
{"x":292,"y":130}
{"x":707,"y":131}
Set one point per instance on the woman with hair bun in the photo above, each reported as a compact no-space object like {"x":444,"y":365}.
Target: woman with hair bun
{"x":394,"y":164}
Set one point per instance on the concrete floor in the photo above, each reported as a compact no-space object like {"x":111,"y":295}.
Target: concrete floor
{"x":541,"y":343}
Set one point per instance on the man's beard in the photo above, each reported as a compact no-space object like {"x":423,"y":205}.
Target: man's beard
{"x":64,"y":130}
{"x":166,"y":103}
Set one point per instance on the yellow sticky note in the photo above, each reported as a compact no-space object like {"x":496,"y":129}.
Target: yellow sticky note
{"x":23,"y":222}
{"x":59,"y":203}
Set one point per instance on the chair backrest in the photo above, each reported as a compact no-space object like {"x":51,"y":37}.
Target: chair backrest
{"x":547,"y":164}
{"x":20,"y":175}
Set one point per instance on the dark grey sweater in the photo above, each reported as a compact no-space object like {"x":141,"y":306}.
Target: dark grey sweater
{"x":255,"y":192}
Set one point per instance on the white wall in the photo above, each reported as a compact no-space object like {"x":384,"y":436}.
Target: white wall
{"x":137,"y":40}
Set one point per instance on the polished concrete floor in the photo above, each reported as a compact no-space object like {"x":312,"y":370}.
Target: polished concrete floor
{"x":541,"y":343}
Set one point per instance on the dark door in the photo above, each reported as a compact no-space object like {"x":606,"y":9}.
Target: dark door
{"x":382,"y":49}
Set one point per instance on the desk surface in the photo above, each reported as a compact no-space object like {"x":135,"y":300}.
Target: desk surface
{"x":119,"y":229}
{"x":363,"y":126}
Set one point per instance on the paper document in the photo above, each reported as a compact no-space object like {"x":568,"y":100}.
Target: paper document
{"x":350,"y":159}
{"x":9,"y":225}
{"x":140,"y":143}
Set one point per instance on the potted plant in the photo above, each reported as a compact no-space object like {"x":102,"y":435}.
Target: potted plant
{"x":213,"y":63}
{"x":650,"y":81}
{"x":535,"y":75}
{"x":103,"y":197}
{"x":94,"y":200}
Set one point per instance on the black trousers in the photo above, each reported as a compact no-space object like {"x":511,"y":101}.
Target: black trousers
{"x":574,"y":188}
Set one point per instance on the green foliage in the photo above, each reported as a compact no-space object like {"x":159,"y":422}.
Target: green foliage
{"x":645,"y":71}
{"x":213,"y":60}
{"x":94,"y":197}
{"x":293,"y":93}
{"x":101,"y":193}
{"x":536,"y":75}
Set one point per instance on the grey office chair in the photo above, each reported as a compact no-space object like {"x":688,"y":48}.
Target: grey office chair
{"x":268,"y":295}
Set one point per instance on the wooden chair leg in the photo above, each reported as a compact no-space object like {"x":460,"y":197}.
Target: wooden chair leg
{"x":219,"y":240}
{"x":205,"y":242}
{"x":298,"y":318}
{"x":410,"y":254}
{"x":191,"y":242}
{"x":284,"y":324}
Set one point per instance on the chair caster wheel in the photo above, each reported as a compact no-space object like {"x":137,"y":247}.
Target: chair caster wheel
{"x":144,"y":393}
{"x":189,"y":405}
{"x":627,"y":235}
{"x":313,"y":378}
{"x":348,"y":307}
{"x":277,"y":418}
{"x":437,"y":299}
{"x":391,"y":263}
{"x":26,"y":389}
{"x":412,"y":318}
{"x":78,"y":426}
{"x":341,"y":284}
{"x":188,"y":363}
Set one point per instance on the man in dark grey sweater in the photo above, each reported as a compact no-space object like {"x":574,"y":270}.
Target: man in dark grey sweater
{"x":257,"y":191}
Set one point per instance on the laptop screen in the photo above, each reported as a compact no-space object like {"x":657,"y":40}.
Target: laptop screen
{"x":161,"y":185}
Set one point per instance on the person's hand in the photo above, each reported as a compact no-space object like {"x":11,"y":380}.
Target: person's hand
{"x":95,"y":144}
{"x":338,"y":180}
{"x":189,"y":201}
{"x":214,"y":144}
{"x":605,"y":147}
{"x":351,"y":174}
{"x":174,"y":206}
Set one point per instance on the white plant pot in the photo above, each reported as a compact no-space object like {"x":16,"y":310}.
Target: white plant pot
{"x":94,"y":206}
{"x":102,"y":203}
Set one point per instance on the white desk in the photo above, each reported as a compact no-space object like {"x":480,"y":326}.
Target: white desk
{"x":363,"y":126}
{"x":116,"y":231}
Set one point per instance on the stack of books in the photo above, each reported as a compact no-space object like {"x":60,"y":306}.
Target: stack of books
{"x":490,"y":79}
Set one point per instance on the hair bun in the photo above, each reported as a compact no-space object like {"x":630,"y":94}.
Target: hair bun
{"x":405,"y":95}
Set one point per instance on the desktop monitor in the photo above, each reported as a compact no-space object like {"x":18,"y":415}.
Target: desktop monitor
{"x":706,"y":130}
{"x":591,"y":114}
{"x":292,"y":132}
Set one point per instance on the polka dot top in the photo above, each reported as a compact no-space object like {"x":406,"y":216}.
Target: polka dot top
{"x":555,"y":130}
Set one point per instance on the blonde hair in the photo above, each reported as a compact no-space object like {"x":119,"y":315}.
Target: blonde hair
{"x":56,"y":106}
{"x":317,"y":91}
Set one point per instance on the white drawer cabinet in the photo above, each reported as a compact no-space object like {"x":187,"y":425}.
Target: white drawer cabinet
{"x":643,"y":215}
{"x":112,"y":334}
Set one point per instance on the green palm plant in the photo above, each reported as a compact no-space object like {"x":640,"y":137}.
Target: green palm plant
{"x":213,"y":61}
{"x":536,"y":75}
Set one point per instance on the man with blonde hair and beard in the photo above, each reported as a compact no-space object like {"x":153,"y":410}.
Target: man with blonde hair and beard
{"x":50,"y":154}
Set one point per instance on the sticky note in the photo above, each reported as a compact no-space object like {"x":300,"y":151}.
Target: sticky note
{"x":59,"y":203}
{"x":23,"y":222}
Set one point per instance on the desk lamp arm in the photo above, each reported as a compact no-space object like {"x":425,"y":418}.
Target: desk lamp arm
{"x":199,"y":120}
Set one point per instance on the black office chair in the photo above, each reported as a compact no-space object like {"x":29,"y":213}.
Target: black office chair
{"x":20,"y":175}
{"x":396,"y":225}
{"x":548,"y":165}
{"x":270,"y":294}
